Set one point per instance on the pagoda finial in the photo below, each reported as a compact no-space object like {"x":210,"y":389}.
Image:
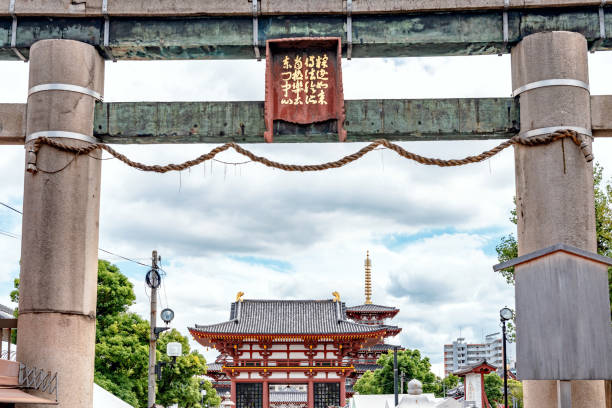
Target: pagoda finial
{"x":368,"y":279}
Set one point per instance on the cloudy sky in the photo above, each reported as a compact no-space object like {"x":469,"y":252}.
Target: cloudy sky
{"x":223,"y":228}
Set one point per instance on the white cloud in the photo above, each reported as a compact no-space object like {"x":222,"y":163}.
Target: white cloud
{"x":430,"y":230}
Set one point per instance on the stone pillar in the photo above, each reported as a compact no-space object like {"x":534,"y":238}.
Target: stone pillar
{"x":554,"y":183}
{"x":59,"y":250}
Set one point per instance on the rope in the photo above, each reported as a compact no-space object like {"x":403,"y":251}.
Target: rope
{"x":578,"y":139}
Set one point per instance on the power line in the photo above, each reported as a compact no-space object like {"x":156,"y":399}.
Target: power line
{"x":9,"y":234}
{"x":11,"y":208}
{"x":124,"y":257}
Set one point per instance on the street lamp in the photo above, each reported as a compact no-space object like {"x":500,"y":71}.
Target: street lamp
{"x":167,"y":315}
{"x":174,"y":349}
{"x":505,"y":314}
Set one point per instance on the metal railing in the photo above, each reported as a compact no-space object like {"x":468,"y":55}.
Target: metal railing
{"x":8,"y":330}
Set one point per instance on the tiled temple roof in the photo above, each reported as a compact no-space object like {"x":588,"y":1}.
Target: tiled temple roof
{"x":213,"y":367}
{"x":289,"y":317}
{"x":480,"y":364}
{"x":6,"y":312}
{"x":371,"y":308}
{"x":382,"y":346}
{"x":362,"y":368}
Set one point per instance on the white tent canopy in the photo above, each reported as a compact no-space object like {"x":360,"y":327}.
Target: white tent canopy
{"x":104,"y":399}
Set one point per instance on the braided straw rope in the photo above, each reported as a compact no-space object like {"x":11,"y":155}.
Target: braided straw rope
{"x":533,"y":141}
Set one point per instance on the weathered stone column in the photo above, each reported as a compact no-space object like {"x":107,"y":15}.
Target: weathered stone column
{"x":554,"y":183}
{"x":59,"y":251}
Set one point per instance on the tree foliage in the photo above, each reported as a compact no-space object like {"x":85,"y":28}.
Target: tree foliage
{"x":493,"y":385}
{"x":411,"y":364}
{"x":122,"y":350}
{"x":445,"y":384}
{"x":179,"y":384}
{"x":515,"y":389}
{"x":115,"y":291}
{"x":367,"y":385}
{"x":122,"y":356}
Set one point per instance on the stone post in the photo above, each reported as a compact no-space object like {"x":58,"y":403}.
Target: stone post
{"x":59,"y":250}
{"x":554,"y":183}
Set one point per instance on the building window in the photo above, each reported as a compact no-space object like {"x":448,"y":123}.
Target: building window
{"x":249,"y":395}
{"x":326,"y":394}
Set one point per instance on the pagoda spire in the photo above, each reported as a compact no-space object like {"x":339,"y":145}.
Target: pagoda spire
{"x":368,"y":279}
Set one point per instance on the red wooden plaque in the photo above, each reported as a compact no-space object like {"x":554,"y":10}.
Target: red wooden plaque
{"x":304,"y":82}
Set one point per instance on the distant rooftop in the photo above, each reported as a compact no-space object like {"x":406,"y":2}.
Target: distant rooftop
{"x":371,"y":308}
{"x":6,"y":312}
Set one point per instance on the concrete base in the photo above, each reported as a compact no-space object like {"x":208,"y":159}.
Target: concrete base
{"x":543,"y":394}
{"x":64,"y":344}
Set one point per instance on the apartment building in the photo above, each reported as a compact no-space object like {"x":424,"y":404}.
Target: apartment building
{"x":461,"y":354}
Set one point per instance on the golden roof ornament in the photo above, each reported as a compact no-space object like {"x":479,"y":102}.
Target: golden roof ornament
{"x":368,"y":279}
{"x":336,"y":296}
{"x":239,"y":296}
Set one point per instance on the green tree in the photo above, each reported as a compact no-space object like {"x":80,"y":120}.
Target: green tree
{"x":493,"y":385}
{"x":179,"y":383}
{"x":115,"y":291}
{"x":412,"y":366}
{"x":122,"y":356}
{"x":409,"y":363}
{"x":445,"y":384}
{"x":508,"y":247}
{"x":366,"y":384}
{"x":15,"y":292}
{"x":515,"y":389}
{"x":122,"y":349}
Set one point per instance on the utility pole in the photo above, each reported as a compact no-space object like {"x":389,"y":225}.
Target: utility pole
{"x":153,"y":281}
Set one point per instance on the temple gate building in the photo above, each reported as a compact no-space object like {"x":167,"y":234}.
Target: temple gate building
{"x":296,"y":353}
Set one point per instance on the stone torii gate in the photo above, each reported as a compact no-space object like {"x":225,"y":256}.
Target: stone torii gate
{"x":60,"y":221}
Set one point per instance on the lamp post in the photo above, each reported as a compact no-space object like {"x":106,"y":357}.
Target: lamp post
{"x":395,"y":374}
{"x":505,"y":314}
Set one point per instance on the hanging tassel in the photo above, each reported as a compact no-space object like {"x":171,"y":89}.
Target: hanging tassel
{"x":31,"y":166}
{"x":587,"y":148}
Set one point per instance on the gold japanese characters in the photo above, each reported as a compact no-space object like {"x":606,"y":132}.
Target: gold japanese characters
{"x":304,"y":80}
